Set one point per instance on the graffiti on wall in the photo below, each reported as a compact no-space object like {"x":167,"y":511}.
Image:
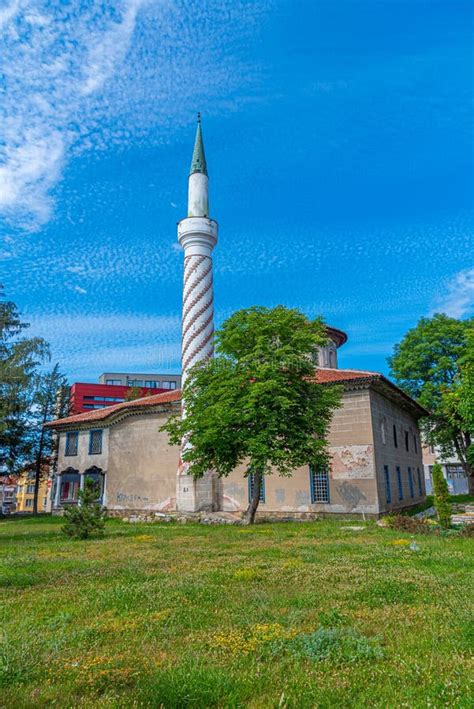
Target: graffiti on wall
{"x":122,"y":498}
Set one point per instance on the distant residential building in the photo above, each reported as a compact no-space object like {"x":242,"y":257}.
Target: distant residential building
{"x":25,"y":492}
{"x":113,"y":389}
{"x":453,"y":472}
{"x":8,"y":484}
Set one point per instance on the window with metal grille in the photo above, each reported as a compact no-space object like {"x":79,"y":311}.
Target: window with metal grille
{"x":388,"y":492}
{"x":95,"y":442}
{"x":251,"y":479}
{"x":400,"y":484}
{"x":319,"y":485}
{"x":410,"y":483}
{"x":72,"y":438}
{"x":420,"y":484}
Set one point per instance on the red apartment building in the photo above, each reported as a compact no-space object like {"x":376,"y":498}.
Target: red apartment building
{"x":86,"y":396}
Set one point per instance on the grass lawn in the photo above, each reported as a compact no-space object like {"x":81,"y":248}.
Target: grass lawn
{"x":278,"y":615}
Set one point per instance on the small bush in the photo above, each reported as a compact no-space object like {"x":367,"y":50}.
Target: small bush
{"x":441,"y":496}
{"x":338,"y":645}
{"x":408,"y":524}
{"x":87,"y":518}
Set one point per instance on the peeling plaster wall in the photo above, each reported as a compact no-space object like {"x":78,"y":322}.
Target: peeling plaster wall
{"x":385,"y":415}
{"x":353,"y":487}
{"x":142,"y":466}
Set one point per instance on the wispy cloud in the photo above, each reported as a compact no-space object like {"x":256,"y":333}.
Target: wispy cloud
{"x":459,"y":299}
{"x":91,"y":75}
{"x":98,"y":342}
{"x":52,"y":59}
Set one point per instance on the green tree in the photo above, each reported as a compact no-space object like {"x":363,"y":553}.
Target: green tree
{"x":20,"y":358}
{"x":257,"y":401}
{"x":441,"y":496}
{"x":428,"y":365}
{"x":50,"y":400}
{"x":87,"y":518}
{"x":133,"y":393}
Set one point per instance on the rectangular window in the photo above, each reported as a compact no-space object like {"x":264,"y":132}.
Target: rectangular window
{"x":28,"y":503}
{"x":415,"y":443}
{"x":319,"y":485}
{"x":410,"y":483}
{"x":388,"y":492}
{"x":400,"y":484}
{"x":30,"y":489}
{"x":251,"y":479}
{"x":135,"y":383}
{"x":420,"y":484}
{"x":103,"y":398}
{"x":150,"y":383}
{"x":115,"y":382}
{"x":72,"y":438}
{"x":95,"y":442}
{"x":168,"y":385}
{"x":406,"y":441}
{"x":395,"y":442}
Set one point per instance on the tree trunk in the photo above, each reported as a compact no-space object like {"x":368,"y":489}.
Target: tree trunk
{"x":38,"y":465}
{"x":249,"y":516}
{"x":470,"y":483}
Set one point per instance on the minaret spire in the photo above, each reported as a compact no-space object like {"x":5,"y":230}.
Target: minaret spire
{"x":197,"y":234}
{"x":198,"y":163}
{"x":198,"y":188}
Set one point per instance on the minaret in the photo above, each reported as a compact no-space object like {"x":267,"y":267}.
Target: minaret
{"x":197,"y":234}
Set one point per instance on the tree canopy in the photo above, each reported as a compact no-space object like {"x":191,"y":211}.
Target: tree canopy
{"x":434,"y":364}
{"x":257,"y":401}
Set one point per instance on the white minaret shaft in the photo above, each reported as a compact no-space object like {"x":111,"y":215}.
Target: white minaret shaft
{"x":197,"y":234}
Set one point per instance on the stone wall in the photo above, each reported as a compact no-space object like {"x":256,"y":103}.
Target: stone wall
{"x":385,"y":415}
{"x":353,"y":487}
{"x":142,"y":466}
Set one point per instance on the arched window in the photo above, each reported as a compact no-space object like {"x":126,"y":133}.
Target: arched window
{"x":96,"y":476}
{"x":70,"y":483}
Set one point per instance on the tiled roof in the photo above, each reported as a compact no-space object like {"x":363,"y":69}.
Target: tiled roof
{"x":323,"y":376}
{"x":101,"y":414}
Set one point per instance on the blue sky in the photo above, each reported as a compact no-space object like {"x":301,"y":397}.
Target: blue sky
{"x":339,"y":145}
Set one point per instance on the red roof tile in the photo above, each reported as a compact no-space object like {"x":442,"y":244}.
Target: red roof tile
{"x":324,"y":376}
{"x":101,"y":414}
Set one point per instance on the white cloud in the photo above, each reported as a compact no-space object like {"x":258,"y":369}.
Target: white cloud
{"x":9,"y":12}
{"x":53,"y":60}
{"x":88,"y":76}
{"x":459,"y":299}
{"x":89,"y":344}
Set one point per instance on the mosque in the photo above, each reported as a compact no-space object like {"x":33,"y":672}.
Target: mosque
{"x":374,"y":441}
